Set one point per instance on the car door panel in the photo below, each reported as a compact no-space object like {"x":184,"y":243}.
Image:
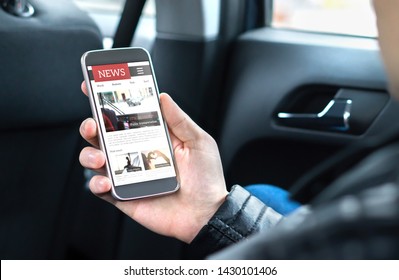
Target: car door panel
{"x":269,"y":69}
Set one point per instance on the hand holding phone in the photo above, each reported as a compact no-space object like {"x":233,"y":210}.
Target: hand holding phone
{"x":182,"y":214}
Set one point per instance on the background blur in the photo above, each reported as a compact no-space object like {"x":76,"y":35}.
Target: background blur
{"x":351,"y":17}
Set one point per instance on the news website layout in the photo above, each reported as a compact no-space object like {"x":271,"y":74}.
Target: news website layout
{"x":137,"y":145}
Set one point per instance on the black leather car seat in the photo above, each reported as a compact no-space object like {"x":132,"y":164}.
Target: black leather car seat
{"x":41,"y":108}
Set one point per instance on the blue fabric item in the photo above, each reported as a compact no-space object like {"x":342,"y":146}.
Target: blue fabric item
{"x":274,"y":197}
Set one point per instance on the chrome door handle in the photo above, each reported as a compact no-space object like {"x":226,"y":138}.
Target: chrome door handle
{"x":334,"y":117}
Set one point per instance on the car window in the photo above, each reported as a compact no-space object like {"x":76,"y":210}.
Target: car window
{"x":352,"y":17}
{"x":106,"y":13}
{"x":104,"y":6}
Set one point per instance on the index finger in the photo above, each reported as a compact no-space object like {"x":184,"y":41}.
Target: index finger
{"x":88,"y":130}
{"x":84,"y":87}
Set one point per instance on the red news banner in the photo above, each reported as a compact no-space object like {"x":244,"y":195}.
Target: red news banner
{"x":110,"y":72}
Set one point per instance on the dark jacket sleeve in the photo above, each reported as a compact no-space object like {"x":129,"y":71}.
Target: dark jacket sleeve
{"x":356,"y":217}
{"x":239,"y":216}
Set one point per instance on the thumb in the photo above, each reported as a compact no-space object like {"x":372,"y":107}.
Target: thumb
{"x":179,"y":123}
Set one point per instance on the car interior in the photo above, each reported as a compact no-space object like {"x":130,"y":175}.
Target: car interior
{"x":279,"y":103}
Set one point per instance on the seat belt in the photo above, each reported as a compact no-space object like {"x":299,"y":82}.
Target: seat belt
{"x":128,"y":23}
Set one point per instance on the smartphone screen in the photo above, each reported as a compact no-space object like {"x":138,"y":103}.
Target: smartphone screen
{"x":124,"y":99}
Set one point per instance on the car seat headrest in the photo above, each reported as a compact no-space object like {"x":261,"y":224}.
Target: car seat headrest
{"x":40,"y":72}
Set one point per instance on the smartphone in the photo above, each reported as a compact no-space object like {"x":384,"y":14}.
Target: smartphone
{"x":124,"y":99}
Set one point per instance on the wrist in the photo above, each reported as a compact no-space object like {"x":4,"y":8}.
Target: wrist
{"x":200,"y":218}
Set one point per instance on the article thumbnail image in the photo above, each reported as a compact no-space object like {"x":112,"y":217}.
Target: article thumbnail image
{"x":128,"y":162}
{"x":121,"y":101}
{"x":154,"y":159}
{"x":125,"y":101}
